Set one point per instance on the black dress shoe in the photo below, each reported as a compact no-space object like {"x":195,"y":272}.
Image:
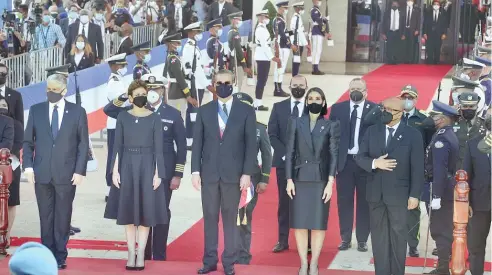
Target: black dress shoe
{"x":318,"y":73}
{"x":413,"y":252}
{"x":362,"y":247}
{"x":62,"y":265}
{"x":344,"y":245}
{"x":279,"y":247}
{"x":434,"y":252}
{"x":75,"y":229}
{"x":207,"y":269}
{"x":106,"y":199}
{"x":229,"y":271}
{"x":72,"y":232}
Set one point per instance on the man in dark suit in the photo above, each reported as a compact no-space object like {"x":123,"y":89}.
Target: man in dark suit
{"x":90,"y":30}
{"x":56,"y":151}
{"x":351,"y":178}
{"x":126,"y":42}
{"x":411,"y":31}
{"x":13,"y":97}
{"x":392,"y":153}
{"x":477,"y":165}
{"x":222,"y":161}
{"x":434,"y":32}
{"x":73,"y":16}
{"x":392,"y":33}
{"x":277,"y":130}
{"x":220,"y":9}
{"x":181,"y":12}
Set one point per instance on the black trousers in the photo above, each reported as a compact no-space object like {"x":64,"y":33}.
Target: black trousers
{"x":389,"y":237}
{"x":157,"y":242}
{"x":478,"y":231}
{"x":413,"y":227}
{"x":393,"y":47}
{"x":244,"y":237}
{"x":410,"y":47}
{"x":263,"y":68}
{"x":224,"y":198}
{"x":350,"y":181}
{"x":283,"y":207}
{"x":433,"y":48}
{"x":192,"y":110}
{"x":296,"y":66}
{"x":55,"y":213}
{"x":441,"y":229}
{"x":109,"y":143}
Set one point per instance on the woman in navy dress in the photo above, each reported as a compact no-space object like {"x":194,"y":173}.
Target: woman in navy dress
{"x":310,"y":167}
{"x":137,"y":200}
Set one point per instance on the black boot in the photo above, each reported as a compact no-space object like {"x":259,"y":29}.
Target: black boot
{"x":441,"y":269}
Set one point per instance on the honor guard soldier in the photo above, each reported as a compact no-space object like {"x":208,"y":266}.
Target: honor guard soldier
{"x":471,"y":70}
{"x":236,"y":55}
{"x":469,"y":124}
{"x":440,"y":167}
{"x":485,"y":79}
{"x":318,"y":33}
{"x":477,"y":166}
{"x":116,"y":87}
{"x":142,"y":52}
{"x":215,"y":49}
{"x":263,"y":57}
{"x":284,"y":46}
{"x":260,"y":180}
{"x":179,"y":94}
{"x":195,"y":75}
{"x":298,"y":37}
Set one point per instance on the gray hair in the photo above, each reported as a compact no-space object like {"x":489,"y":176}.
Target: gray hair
{"x":84,"y":12}
{"x":223,"y":71}
{"x":59,"y":79}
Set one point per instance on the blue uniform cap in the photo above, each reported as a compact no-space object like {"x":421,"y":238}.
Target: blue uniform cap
{"x":282,"y":4}
{"x":298,"y":4}
{"x":173,"y":37}
{"x":33,"y":258}
{"x":442,"y":108}
{"x":237,"y":14}
{"x":214,"y":23}
{"x":145,"y":46}
{"x":244,"y":98}
{"x":484,"y":61}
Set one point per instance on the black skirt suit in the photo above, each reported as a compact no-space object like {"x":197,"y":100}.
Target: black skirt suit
{"x":310,"y":159}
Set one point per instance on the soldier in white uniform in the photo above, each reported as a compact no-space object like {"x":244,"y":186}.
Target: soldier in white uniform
{"x":318,"y":34}
{"x":298,"y":36}
{"x":116,"y":87}
{"x":195,"y":74}
{"x":263,"y":56}
{"x":284,"y":46}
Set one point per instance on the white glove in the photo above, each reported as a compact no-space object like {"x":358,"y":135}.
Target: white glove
{"x":436,"y":204}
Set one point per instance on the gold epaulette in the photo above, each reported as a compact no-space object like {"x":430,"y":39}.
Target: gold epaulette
{"x":266,"y":175}
{"x":186,"y":90}
{"x":118,"y":103}
{"x":179,"y":168}
{"x":243,"y":61}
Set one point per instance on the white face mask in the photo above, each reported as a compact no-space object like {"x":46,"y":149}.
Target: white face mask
{"x":99,"y":16}
{"x":80,"y":45}
{"x":436,"y":7}
{"x":286,"y":12}
{"x":153,"y":97}
{"x":410,"y":3}
{"x":122,"y":71}
{"x":318,"y":4}
{"x":266,"y":21}
{"x":147,"y":58}
{"x":177,"y":5}
{"x":84,"y":19}
{"x":239,"y":24}
{"x":301,"y":12}
{"x":219,"y":32}
{"x":198,"y":37}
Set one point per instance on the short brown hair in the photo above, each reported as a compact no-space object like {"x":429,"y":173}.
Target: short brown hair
{"x":135,"y":85}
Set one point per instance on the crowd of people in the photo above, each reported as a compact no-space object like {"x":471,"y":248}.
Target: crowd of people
{"x":388,"y":156}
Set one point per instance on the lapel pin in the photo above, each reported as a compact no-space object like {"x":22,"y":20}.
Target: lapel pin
{"x":9,"y":95}
{"x":66,"y":112}
{"x":399,"y":137}
{"x":322,"y":128}
{"x":367,"y":106}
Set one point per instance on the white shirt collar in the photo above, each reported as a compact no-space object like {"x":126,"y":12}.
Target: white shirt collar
{"x":361,"y":105}
{"x":293,"y":101}
{"x":60,"y":104}
{"x":227,"y":103}
{"x":156,"y":107}
{"x":411,"y":113}
{"x":394,"y":127}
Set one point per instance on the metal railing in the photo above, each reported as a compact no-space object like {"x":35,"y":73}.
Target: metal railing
{"x":29,"y":68}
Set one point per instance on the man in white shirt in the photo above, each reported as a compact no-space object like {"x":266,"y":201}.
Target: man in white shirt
{"x":392,"y":33}
{"x":298,"y":37}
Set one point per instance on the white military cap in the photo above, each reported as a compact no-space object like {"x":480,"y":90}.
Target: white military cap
{"x":119,"y":59}
{"x":468,"y":63}
{"x":282,"y":4}
{"x":298,"y":4}
{"x":263,"y":12}
{"x":197,"y":26}
{"x":153,"y":80}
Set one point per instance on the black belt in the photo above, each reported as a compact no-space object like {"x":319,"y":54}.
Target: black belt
{"x":352,"y":155}
{"x":138,"y":150}
{"x":306,"y":162}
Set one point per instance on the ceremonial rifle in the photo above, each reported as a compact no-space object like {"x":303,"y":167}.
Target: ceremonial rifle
{"x":277,"y":46}
{"x":309,"y":54}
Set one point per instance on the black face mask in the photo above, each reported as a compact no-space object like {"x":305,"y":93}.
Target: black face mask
{"x":428,"y":123}
{"x":298,"y":92}
{"x":54,"y":97}
{"x":3,"y":79}
{"x":315,"y":108}
{"x":468,"y":114}
{"x":224,"y":90}
{"x":4,"y":112}
{"x":488,"y":122}
{"x":140,"y":101}
{"x":386,"y":117}
{"x":356,"y":96}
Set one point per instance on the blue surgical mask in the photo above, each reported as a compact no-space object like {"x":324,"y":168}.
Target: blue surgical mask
{"x":198,"y":37}
{"x":408,"y":105}
{"x":147,"y":58}
{"x":73,"y":15}
{"x":239,"y":24}
{"x":179,"y":48}
{"x":219,"y":32}
{"x":46,"y":18}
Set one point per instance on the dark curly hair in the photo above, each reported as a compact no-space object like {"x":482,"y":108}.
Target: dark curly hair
{"x":324,"y":110}
{"x":135,"y":85}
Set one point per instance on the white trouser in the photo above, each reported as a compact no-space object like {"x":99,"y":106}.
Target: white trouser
{"x":317,"y":49}
{"x":278,"y":73}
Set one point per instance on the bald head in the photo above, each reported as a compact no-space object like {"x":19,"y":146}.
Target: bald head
{"x":393,"y":103}
{"x":126,"y":30}
{"x":298,"y":86}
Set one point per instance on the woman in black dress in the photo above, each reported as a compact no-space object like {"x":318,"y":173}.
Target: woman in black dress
{"x":310,"y":167}
{"x":137,"y":200}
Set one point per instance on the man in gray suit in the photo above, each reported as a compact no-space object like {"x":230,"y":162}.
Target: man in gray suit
{"x":223,"y":159}
{"x":56,"y":151}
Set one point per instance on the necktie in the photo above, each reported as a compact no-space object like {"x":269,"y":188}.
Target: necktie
{"x":54,"y":122}
{"x":83,"y":29}
{"x":435,"y":17}
{"x":405,"y":118}
{"x":408,"y":17}
{"x":390,"y":136}
{"x":224,"y":108}
{"x":295,"y":110}
{"x":353,"y":123}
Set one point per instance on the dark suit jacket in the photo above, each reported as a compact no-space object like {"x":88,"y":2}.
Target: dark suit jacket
{"x":407,"y":179}
{"x":277,"y":130}
{"x":16,"y":105}
{"x":213,"y":12}
{"x":435,"y":29}
{"x":95,"y":39}
{"x":7,"y":132}
{"x":85,"y":62}
{"x":415,"y":18}
{"x":477,"y":165}
{"x":311,"y":155}
{"x":386,"y":25}
{"x":186,"y":12}
{"x":341,"y":112}
{"x":56,"y":160}
{"x":18,"y":138}
{"x":224,"y":159}
{"x":64,"y":25}
{"x":126,"y":47}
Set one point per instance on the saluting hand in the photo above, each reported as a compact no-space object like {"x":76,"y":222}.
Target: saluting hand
{"x":291,"y":189}
{"x":412,"y":203}
{"x":385,"y":164}
{"x":245,"y":182}
{"x":77,"y":179}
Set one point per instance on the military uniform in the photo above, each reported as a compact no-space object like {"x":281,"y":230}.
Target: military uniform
{"x":486,"y":81}
{"x":318,"y":32}
{"x":141,"y":68}
{"x":236,"y":55}
{"x":178,"y":90}
{"x":215,"y":49}
{"x":283,"y":38}
{"x":440,"y":167}
{"x":263,"y":57}
{"x":262,"y":175}
{"x":298,"y":38}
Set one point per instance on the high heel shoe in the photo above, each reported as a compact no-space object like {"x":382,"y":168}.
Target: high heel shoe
{"x":303,"y":271}
{"x":140,"y":260}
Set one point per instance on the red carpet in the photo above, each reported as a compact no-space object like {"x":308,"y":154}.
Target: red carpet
{"x":383,"y":82}
{"x":419,"y":262}
{"x":78,"y":266}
